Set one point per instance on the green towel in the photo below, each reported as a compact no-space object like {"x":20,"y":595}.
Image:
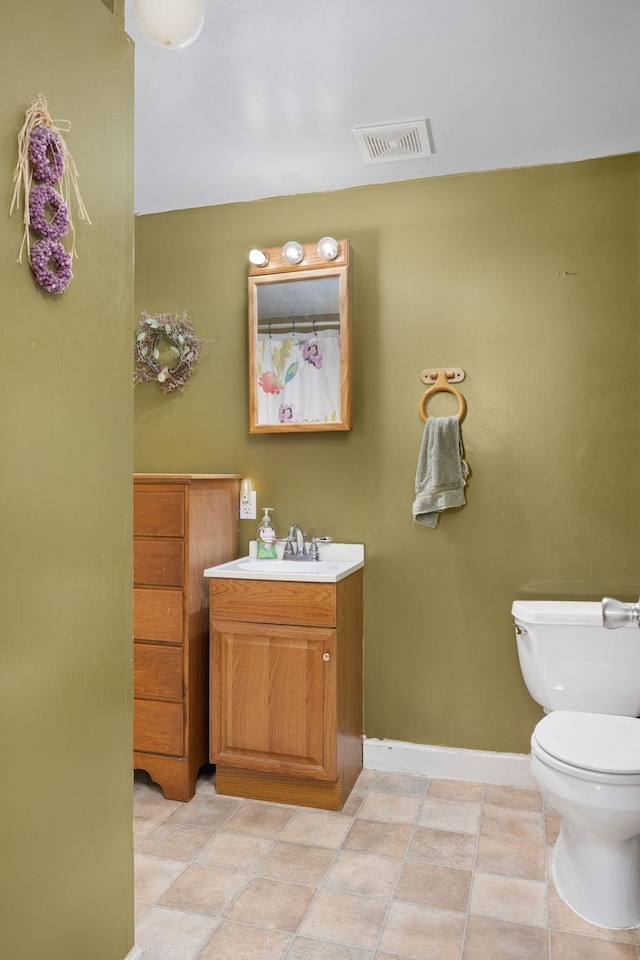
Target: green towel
{"x":441,"y":473}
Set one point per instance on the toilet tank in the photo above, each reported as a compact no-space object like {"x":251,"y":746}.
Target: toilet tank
{"x":569,"y":661}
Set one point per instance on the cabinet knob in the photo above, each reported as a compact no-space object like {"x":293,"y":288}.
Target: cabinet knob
{"x":326,"y":656}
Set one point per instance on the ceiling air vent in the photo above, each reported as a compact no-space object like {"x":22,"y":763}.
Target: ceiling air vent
{"x":393,"y":141}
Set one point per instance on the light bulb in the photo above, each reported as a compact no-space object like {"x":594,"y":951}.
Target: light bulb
{"x":170,"y":24}
{"x":328,"y":248}
{"x":292,"y":252}
{"x":258,"y":258}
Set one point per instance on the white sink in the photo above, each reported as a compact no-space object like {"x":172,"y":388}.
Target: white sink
{"x":289,"y":566}
{"x":339,"y":561}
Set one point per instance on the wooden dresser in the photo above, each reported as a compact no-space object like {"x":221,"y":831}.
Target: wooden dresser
{"x":182,"y":523}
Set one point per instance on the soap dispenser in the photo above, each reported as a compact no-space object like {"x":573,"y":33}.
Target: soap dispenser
{"x":266,"y":537}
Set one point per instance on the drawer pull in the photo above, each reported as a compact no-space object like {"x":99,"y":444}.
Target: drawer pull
{"x":326,"y":656}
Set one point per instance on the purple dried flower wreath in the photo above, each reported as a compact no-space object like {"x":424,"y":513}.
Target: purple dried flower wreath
{"x":39,"y":197}
{"x":55,"y":281}
{"x":46,"y":154}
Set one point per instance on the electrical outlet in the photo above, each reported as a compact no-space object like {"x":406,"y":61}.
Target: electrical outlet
{"x":248,"y":507}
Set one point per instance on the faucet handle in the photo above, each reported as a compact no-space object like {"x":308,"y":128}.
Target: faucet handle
{"x":313,"y":549}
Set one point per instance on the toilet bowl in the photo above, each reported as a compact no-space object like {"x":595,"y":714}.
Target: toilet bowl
{"x":587,"y":766}
{"x":585,"y":754}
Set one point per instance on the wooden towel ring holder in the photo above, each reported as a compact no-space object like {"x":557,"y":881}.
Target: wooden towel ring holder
{"x":442,"y":384}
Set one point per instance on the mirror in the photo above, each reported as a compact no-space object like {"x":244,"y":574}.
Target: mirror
{"x":300,"y":343}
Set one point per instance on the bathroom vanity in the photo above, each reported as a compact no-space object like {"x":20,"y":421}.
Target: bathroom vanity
{"x":286,"y":680}
{"x":181,"y":524}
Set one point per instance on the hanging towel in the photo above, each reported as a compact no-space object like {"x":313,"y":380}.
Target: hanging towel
{"x":441,"y":473}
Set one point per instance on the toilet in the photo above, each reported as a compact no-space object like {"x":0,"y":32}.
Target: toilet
{"x":585,"y":754}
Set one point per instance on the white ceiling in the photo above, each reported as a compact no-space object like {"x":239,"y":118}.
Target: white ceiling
{"x":264,"y":102}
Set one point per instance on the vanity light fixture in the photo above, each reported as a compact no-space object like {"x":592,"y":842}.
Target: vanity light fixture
{"x":258,"y":258}
{"x":170,"y":24}
{"x":292,"y":252}
{"x":328,"y":248}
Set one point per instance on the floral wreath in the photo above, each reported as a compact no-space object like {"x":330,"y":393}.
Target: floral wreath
{"x":43,"y":157}
{"x":178,"y":334}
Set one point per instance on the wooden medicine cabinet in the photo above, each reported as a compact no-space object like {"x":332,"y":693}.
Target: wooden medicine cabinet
{"x":300,"y":335}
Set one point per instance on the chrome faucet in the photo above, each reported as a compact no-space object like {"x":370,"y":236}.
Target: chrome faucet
{"x":300,"y":552}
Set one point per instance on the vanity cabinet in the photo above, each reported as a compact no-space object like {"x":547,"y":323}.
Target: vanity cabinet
{"x":182,"y":523}
{"x":286,"y":689}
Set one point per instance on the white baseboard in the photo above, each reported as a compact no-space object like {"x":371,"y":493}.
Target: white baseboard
{"x":395,"y":756}
{"x":134,"y":954}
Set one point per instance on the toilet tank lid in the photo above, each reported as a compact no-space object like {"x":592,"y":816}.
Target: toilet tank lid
{"x":557,"y":611}
{"x":592,"y":741}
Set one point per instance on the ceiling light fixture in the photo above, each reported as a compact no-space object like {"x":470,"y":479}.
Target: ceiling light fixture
{"x":170,"y":24}
{"x":292,"y":252}
{"x":328,"y":248}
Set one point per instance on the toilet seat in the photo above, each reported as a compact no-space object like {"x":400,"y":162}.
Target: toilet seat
{"x":592,"y":745}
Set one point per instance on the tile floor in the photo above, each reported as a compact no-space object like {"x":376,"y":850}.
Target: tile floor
{"x":410,"y":868}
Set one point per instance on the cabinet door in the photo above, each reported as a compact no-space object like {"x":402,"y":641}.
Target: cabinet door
{"x":273,"y":697}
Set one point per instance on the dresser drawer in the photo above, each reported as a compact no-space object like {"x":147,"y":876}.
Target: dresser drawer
{"x":253,"y":601}
{"x":157,"y":615}
{"x":158,"y":562}
{"x":157,"y":671}
{"x":159,"y":512}
{"x":158,"y":727}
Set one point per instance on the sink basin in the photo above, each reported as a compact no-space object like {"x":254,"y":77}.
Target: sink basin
{"x":343,"y":559}
{"x":289,"y":566}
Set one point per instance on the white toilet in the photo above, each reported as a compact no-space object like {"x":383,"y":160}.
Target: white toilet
{"x":585,"y":755}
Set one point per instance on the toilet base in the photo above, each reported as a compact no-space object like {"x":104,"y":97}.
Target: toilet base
{"x":598,"y":879}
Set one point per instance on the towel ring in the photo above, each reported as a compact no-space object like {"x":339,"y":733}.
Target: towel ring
{"x":442,"y":385}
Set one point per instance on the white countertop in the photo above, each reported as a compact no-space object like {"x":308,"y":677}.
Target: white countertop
{"x":337,"y":560}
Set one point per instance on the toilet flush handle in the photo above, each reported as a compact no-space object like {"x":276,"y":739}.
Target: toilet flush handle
{"x":615,"y":613}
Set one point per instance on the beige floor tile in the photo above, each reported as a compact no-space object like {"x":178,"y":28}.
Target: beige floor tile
{"x":142,"y":827}
{"x":513,"y":858}
{"x":297,"y":863}
{"x":149,"y":802}
{"x":272,"y":904}
{"x":206,"y":782}
{"x":234,"y":851}
{"x":401,"y":783}
{"x":204,"y":890}
{"x":363,"y":873}
{"x":152,"y":876}
{"x":173,"y":935}
{"x":562,"y":918}
{"x":260,"y":819}
{"x":445,"y":847}
{"x":347,"y":919}
{"x":318,"y":828}
{"x":461,"y":816}
{"x":434,"y":886}
{"x":352,"y":804}
{"x":139,"y":908}
{"x":494,"y":940}
{"x":511,"y":824}
{"x":303,"y":949}
{"x":423,"y":933}
{"x":234,"y":941}
{"x":389,"y":808}
{"x":456,"y":790}
{"x":568,"y":946}
{"x":509,"y":898}
{"x":551,"y":825}
{"x":521,"y":798}
{"x":175,"y":841}
{"x":387,"y":839}
{"x":206,"y":811}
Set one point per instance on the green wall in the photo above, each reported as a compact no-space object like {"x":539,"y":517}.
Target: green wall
{"x":65,"y":483}
{"x":527,"y":279}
